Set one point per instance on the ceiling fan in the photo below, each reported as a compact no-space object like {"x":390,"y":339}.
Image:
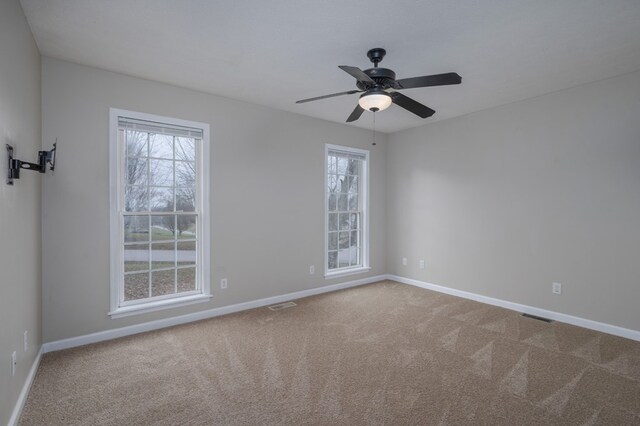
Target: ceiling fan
{"x":380,"y":88}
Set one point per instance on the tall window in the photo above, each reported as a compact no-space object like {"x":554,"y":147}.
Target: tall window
{"x":346,"y":210}
{"x":159,"y":215}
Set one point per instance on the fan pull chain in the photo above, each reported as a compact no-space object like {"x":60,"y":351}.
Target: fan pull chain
{"x":374,"y":129}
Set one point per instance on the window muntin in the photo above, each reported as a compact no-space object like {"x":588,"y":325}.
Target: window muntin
{"x":159,"y":212}
{"x":346,"y":201}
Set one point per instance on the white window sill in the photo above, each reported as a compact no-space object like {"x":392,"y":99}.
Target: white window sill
{"x":346,"y":272}
{"x":158,"y":305}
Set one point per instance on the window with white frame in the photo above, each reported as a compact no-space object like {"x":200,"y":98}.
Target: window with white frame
{"x":159,"y":218}
{"x":346,"y":197}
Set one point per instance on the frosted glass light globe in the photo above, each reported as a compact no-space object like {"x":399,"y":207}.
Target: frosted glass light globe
{"x":379,"y":99}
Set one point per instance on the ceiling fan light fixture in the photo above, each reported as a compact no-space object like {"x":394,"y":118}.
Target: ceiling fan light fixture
{"x":381,"y":88}
{"x":375,"y":100}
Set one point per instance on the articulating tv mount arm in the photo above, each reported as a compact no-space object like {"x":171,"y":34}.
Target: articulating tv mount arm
{"x":44,"y":158}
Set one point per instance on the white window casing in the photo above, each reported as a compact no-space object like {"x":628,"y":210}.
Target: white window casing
{"x":159,"y":212}
{"x":346,"y":198}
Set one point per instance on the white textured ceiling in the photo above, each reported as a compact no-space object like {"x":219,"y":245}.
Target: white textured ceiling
{"x":278,"y":51}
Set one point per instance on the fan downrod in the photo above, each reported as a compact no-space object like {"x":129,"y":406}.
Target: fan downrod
{"x":376,"y":55}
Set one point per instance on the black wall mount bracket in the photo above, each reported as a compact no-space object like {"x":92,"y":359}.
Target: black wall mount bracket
{"x":44,"y":158}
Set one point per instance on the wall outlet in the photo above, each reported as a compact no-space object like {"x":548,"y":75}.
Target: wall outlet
{"x":13,"y":364}
{"x":556,"y":288}
{"x":422,"y":264}
{"x":404,"y":261}
{"x":223,"y":283}
{"x":26,"y":340}
{"x":312,"y":269}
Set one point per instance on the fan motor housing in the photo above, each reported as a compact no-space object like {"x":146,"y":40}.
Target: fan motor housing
{"x":382,"y":76}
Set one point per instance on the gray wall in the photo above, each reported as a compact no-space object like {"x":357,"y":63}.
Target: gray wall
{"x":20,"y":267}
{"x":506,"y":201}
{"x":267,"y":169}
{"x":501,"y":202}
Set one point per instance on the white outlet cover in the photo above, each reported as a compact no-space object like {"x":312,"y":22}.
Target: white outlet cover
{"x":223,"y":283}
{"x":556,"y":288}
{"x":404,"y":261}
{"x":422,"y":264}
{"x":312,"y":269}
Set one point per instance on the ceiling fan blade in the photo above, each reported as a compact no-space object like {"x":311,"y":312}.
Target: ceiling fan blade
{"x":430,"y":80}
{"x":357,"y":73}
{"x":357,"y":112}
{"x":410,"y":105}
{"x":350,"y":92}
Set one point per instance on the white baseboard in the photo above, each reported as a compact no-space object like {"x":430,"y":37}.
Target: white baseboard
{"x":22,"y":398}
{"x":197,"y":316}
{"x":224,"y":310}
{"x":557,"y":316}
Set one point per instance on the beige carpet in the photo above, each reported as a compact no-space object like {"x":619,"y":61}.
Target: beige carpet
{"x":384,"y":353}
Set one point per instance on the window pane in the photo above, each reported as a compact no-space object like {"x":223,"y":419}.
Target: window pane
{"x":136,"y":257}
{"x":136,"y":286}
{"x":344,"y":221}
{"x":353,"y":184}
{"x":163,"y":227}
{"x":333,"y":221}
{"x":161,"y":146}
{"x":136,"y":228}
{"x":343,"y":259}
{"x":186,"y":253}
{"x":163,"y":255}
{"x":355,"y":256}
{"x":136,"y":171}
{"x":136,"y":199}
{"x":352,"y":168}
{"x":331,"y":164}
{"x":354,"y":222}
{"x":342,"y":202}
{"x":161,"y":172}
{"x":342,"y":165}
{"x":333,"y":202}
{"x":186,"y":279}
{"x":186,"y":227}
{"x":353,"y":201}
{"x":333,"y":240}
{"x":332,"y":183}
{"x":161,"y":199}
{"x":136,"y":143}
{"x":343,"y":240}
{"x":333,"y":259}
{"x":354,"y":242}
{"x":185,"y":199}
{"x":185,"y":149}
{"x":343,"y":184}
{"x":185,"y":174}
{"x":163,"y":282}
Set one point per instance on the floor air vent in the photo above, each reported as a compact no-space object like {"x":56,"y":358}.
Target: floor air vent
{"x":537,"y":318}
{"x":281,"y":306}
